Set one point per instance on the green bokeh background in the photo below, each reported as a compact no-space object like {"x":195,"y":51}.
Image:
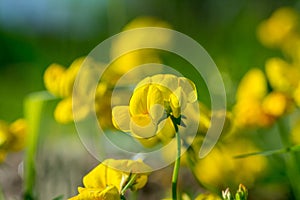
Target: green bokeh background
{"x":34,"y":34}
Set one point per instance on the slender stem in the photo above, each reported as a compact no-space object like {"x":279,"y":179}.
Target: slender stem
{"x":290,"y":158}
{"x":129,"y":184}
{"x":176,"y":167}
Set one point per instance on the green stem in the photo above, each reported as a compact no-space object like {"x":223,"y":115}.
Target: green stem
{"x":176,"y":168}
{"x":290,"y":158}
{"x":1,"y":194}
{"x":34,"y":105}
{"x":129,"y":184}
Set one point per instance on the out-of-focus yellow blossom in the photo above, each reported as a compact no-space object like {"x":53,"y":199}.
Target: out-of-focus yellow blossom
{"x":254,"y":106}
{"x":220,"y":168}
{"x":107,"y":180}
{"x":155,"y":103}
{"x":60,"y":80}
{"x":63,"y":112}
{"x":17,"y":130}
{"x":282,"y":76}
{"x":273,"y":31}
{"x":208,"y":197}
{"x":135,"y":58}
{"x":12,"y":137}
{"x":250,"y":93}
{"x":275,"y":104}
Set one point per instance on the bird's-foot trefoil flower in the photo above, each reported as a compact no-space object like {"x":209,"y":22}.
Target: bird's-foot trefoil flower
{"x":156,"y":108}
{"x":112,"y":178}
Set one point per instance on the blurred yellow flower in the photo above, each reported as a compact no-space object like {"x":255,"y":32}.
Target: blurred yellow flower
{"x":60,"y":80}
{"x":107,"y":180}
{"x":220,"y":168}
{"x":273,"y":31}
{"x":250,"y":93}
{"x":155,"y":103}
{"x":282,"y":76}
{"x":12,"y":137}
{"x":275,"y":104}
{"x":138,"y":57}
{"x":255,"y":107}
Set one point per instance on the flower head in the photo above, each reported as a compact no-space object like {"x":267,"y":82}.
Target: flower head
{"x":107,"y":180}
{"x":155,"y":108}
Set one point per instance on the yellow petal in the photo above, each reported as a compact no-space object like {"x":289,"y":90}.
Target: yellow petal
{"x":281,"y":75}
{"x":166,"y":130}
{"x":140,"y":182}
{"x":148,"y":142}
{"x":275,"y":104}
{"x":109,"y":193}
{"x":166,"y":82}
{"x":138,"y":101}
{"x":155,"y":103}
{"x":189,"y":89}
{"x":52,"y":78}
{"x":4,"y":135}
{"x":128,"y":166}
{"x":121,"y":118}
{"x":103,"y":175}
{"x":142,"y":126}
{"x":273,"y":31}
{"x":63,"y":112}
{"x":252,"y":86}
{"x":178,"y":102}
{"x":18,"y":131}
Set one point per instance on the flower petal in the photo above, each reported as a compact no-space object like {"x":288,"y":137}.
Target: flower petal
{"x":155,"y":102}
{"x":189,"y":89}
{"x":138,"y":101}
{"x":142,"y":126}
{"x":166,"y":130}
{"x":121,"y":118}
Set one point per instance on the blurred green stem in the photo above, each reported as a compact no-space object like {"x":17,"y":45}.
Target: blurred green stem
{"x":290,"y":158}
{"x":1,"y":193}
{"x":176,"y":167}
{"x":34,"y":105}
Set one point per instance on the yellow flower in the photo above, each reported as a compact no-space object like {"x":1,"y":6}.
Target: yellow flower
{"x":254,"y":106}
{"x":275,"y":104}
{"x":142,"y":56}
{"x":282,"y":76}
{"x":12,"y":137}
{"x":107,"y":180}
{"x":250,"y":93}
{"x":59,"y":80}
{"x":155,"y":103}
{"x":220,"y":168}
{"x":17,"y":130}
{"x":273,"y":31}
